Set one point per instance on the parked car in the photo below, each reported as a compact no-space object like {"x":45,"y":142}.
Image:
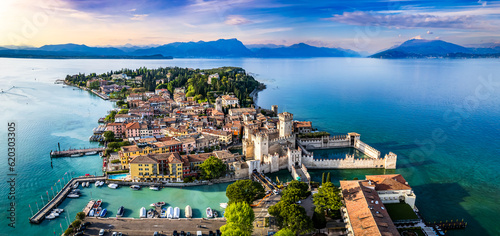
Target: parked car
{"x":115,"y":234}
{"x":86,"y":224}
{"x":119,"y":234}
{"x":188,"y":233}
{"x":218,"y":233}
{"x":198,"y":233}
{"x":182,"y":233}
{"x":175,"y":233}
{"x":155,"y":233}
{"x":101,"y":232}
{"x":211,"y":233}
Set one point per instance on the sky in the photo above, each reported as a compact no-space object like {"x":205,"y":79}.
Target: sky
{"x":361,"y":25}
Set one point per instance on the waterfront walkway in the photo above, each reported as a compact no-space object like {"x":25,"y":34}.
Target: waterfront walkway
{"x":70,"y":152}
{"x":61,"y":195}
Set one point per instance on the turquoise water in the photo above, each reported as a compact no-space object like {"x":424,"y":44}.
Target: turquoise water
{"x":120,"y":176}
{"x":436,"y":115}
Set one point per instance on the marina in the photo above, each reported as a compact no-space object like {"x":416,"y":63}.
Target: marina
{"x":76,"y":152}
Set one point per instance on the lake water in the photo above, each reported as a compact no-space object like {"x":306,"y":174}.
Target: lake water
{"x":439,"y":116}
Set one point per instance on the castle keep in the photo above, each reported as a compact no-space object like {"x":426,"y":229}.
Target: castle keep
{"x":272,"y":150}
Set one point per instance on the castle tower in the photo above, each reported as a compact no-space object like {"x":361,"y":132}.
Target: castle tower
{"x":274,"y":108}
{"x":261,"y":146}
{"x":285,"y":125}
{"x":390,"y":160}
{"x":353,"y":137}
{"x":218,"y":104}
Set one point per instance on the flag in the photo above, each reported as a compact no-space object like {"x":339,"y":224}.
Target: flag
{"x":47,"y":193}
{"x":59,"y":180}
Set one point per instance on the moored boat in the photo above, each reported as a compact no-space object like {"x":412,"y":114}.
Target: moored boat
{"x":209,"y":212}
{"x":120,"y":211}
{"x":142,"y":213}
{"x":163,"y":213}
{"x":113,"y":186}
{"x":135,"y":187}
{"x":98,"y":212}
{"x":188,"y":212}
{"x":73,"y":195}
{"x":90,"y":153}
{"x":103,"y":212}
{"x":223,"y":205}
{"x":154,"y":188}
{"x":177,"y":213}
{"x":50,"y":217}
{"x":76,"y":185}
{"x":151,"y":213}
{"x":91,"y":213}
{"x":170,"y":212}
{"x":77,"y":155}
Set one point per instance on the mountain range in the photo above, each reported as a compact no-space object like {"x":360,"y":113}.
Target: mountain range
{"x":233,"y":48}
{"x":421,"y":48}
{"x":222,"y":48}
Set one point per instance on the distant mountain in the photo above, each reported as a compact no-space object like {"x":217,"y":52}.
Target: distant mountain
{"x":211,"y":49}
{"x":421,"y":48}
{"x":222,"y":48}
{"x":259,"y":46}
{"x":304,"y":50}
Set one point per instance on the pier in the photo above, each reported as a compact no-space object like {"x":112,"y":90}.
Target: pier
{"x":75,"y":152}
{"x":61,"y":195}
{"x":268,"y":185}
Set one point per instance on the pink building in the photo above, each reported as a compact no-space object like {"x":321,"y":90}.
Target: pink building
{"x":132,"y":129}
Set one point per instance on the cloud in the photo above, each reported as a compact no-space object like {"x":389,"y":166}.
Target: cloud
{"x":417,"y":37}
{"x":407,"y":20}
{"x":236,"y":20}
{"x":139,"y":17}
{"x":429,"y":32}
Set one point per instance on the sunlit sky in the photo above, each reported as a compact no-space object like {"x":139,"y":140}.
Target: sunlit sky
{"x":361,"y":25}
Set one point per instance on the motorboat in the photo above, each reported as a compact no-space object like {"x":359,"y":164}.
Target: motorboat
{"x":91,"y":213}
{"x":154,"y":188}
{"x":99,"y":183}
{"x":50,"y":217}
{"x":90,"y":153}
{"x":103,"y":212}
{"x":97,"y":203}
{"x":76,"y":185}
{"x":188,"y":212}
{"x":120,"y":211}
{"x":135,"y":187}
{"x":87,"y":184}
{"x":58,"y":210}
{"x":54,"y":213}
{"x":177,"y":213}
{"x":163,"y":213}
{"x":215,"y":213}
{"x":113,"y":186}
{"x":97,"y":212}
{"x":75,"y":191}
{"x":77,"y":155}
{"x":223,"y":205}
{"x":142,"y":213}
{"x":170,"y":212}
{"x":151,"y":213}
{"x":209,"y":212}
{"x":73,"y":195}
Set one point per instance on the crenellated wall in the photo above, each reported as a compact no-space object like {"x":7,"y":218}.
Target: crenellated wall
{"x":350,"y":162}
{"x":366,"y":149}
{"x":339,"y":141}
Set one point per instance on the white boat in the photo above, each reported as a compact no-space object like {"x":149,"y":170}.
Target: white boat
{"x":77,"y":155}
{"x":120,"y":212}
{"x":177,"y":213}
{"x":76,"y":185}
{"x":143,"y":213}
{"x":58,"y":210}
{"x":135,"y":187}
{"x":54,"y":213}
{"x":151,"y":213}
{"x":154,"y":188}
{"x":99,"y":183}
{"x":114,"y":186}
{"x":188,"y":212}
{"x":170,"y":212}
{"x":73,"y":195}
{"x":209,"y":212}
{"x":50,"y":217}
{"x":91,"y":213}
{"x":90,"y":153}
{"x":223,"y":205}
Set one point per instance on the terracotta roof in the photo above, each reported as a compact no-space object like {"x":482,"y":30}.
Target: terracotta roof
{"x":131,"y":148}
{"x":174,"y":157}
{"x":133,"y":125}
{"x":143,"y":160}
{"x":367,"y":214}
{"x":197,"y":158}
{"x":389,"y":182}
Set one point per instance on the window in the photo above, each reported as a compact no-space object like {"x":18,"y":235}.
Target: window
{"x":140,"y":168}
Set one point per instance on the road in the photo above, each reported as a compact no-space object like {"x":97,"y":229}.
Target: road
{"x":261,"y":213}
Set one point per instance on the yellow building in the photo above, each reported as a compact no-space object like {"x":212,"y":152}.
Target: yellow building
{"x":127,"y":153}
{"x":156,"y":167}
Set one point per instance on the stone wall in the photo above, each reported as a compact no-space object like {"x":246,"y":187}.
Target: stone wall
{"x":366,"y":149}
{"x":348,"y":163}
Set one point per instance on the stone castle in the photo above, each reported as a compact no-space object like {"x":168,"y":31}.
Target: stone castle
{"x":277,"y":149}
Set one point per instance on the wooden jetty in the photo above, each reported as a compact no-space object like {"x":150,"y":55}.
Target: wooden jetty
{"x":449,"y":225}
{"x":70,"y":152}
{"x":61,"y":195}
{"x":89,"y":206}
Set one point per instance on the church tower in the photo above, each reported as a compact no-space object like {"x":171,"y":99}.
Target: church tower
{"x":286,"y":124}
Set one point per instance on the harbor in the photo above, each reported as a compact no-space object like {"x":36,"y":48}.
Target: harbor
{"x":60,"y":196}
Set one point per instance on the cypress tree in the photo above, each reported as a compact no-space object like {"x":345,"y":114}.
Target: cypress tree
{"x":323,"y":178}
{"x":328,"y":178}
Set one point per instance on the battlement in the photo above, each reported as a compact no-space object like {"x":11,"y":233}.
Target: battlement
{"x":286,"y":116}
{"x":282,"y":138}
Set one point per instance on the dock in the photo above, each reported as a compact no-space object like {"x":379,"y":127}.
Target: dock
{"x":89,"y":206}
{"x":70,"y":152}
{"x":59,"y":198}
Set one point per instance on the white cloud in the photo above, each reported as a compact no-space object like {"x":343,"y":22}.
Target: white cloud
{"x":139,"y":17}
{"x":236,"y":20}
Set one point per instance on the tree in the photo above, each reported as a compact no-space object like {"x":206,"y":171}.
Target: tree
{"x":243,"y":191}
{"x":328,"y":178}
{"x":328,"y":199}
{"x":292,"y":195}
{"x":319,"y":220}
{"x":285,"y":232}
{"x":123,"y":111}
{"x":230,"y":230}
{"x":212,"y":168}
{"x":323,"y":178}
{"x":80,"y":215}
{"x":76,"y":223}
{"x":239,"y":215}
{"x":109,"y":136}
{"x":291,"y":216}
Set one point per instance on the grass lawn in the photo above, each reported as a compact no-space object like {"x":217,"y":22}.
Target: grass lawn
{"x":411,"y":232}
{"x":400,"y":211}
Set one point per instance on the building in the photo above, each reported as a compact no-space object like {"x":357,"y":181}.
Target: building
{"x":224,"y":137}
{"x":212,"y":77}
{"x":302,"y":127}
{"x":117,"y":128}
{"x":364,"y":213}
{"x":393,"y":189}
{"x":230,"y":100}
{"x":132,"y":130}
{"x":127,"y":153}
{"x":240,"y":111}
